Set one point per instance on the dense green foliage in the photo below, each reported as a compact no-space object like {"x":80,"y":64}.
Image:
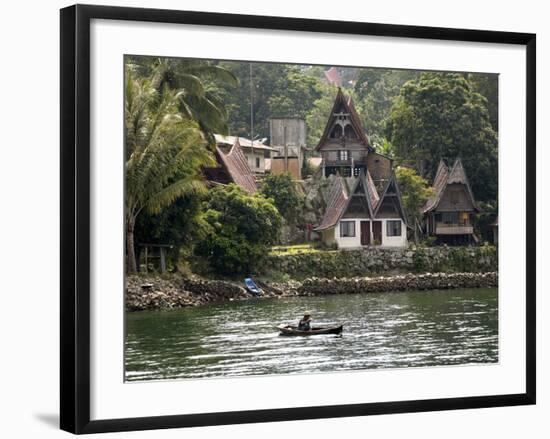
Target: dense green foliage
{"x":239,"y":230}
{"x":278,"y":90}
{"x":164,"y":153}
{"x":440,"y":116}
{"x":281,"y":189}
{"x":175,"y":106}
{"x":415,"y":191}
{"x":197,"y":82}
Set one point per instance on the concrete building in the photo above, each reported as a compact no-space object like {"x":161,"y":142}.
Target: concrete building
{"x":288,"y":139}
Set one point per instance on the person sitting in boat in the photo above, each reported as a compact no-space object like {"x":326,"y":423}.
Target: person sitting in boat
{"x":305,"y":323}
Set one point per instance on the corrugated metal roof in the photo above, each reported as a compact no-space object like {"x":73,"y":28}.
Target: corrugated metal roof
{"x":243,"y":142}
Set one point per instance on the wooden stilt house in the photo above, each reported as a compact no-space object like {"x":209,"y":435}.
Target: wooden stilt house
{"x":450,"y":212}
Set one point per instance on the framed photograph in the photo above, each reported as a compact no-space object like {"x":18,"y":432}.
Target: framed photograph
{"x":272,"y":218}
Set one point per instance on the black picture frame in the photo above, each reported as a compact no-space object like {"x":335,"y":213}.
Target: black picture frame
{"x":75,"y":218}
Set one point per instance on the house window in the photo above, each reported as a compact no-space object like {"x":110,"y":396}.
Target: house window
{"x":393,"y":228}
{"x":343,"y":155}
{"x":347,"y":229}
{"x":257,"y":162}
{"x":449,"y":217}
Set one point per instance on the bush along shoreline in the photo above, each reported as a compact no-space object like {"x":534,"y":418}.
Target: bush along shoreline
{"x":156,"y":293}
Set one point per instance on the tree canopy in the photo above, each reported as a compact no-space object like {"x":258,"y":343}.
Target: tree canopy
{"x":165,"y":153}
{"x":239,"y":229}
{"x":441,"y":116}
{"x":415,"y":191}
{"x":282,"y":190}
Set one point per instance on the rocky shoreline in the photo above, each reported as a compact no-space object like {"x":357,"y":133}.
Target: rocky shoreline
{"x":156,"y":293}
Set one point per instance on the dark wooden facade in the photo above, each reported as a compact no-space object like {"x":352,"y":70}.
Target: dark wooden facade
{"x":345,"y":148}
{"x":451,"y":210}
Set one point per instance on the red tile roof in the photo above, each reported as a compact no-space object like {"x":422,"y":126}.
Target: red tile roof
{"x":237,"y":167}
{"x":333,"y":77}
{"x":337,"y":202}
{"x":372,"y":192}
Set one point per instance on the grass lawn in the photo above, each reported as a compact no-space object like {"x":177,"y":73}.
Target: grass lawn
{"x":293,"y":249}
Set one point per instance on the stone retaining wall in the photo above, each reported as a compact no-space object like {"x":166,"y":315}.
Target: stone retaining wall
{"x":372,"y":261}
{"x":407,"y":282}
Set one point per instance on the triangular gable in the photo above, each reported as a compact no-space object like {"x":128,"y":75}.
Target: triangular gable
{"x":445,"y":176}
{"x":339,"y":200}
{"x":458,"y":175}
{"x":364,"y":187}
{"x":343,"y":105}
{"x":392,"y":190}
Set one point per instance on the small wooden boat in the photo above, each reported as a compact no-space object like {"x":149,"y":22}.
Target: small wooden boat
{"x":251,"y":287}
{"x":293,"y":330}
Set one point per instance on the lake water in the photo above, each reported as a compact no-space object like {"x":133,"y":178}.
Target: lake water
{"x":386,"y":330}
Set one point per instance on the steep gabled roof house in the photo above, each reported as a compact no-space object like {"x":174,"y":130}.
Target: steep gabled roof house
{"x":345,"y":147}
{"x":450,"y":211}
{"x":232,"y":168}
{"x":361,"y":217}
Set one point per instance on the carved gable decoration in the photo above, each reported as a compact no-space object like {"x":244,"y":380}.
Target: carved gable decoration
{"x":344,"y":126}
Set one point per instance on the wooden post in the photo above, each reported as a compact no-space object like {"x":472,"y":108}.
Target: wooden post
{"x":146,"y":261}
{"x":162,"y":260}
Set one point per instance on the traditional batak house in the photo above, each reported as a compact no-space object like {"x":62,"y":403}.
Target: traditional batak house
{"x":232,"y":167}
{"x":450,"y":211}
{"x":370,"y":213}
{"x":345,"y":148}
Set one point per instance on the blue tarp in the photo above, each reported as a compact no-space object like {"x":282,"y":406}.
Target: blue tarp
{"x":252,"y":287}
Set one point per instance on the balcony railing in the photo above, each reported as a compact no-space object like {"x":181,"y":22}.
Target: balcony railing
{"x":454,"y":229}
{"x":346,"y":162}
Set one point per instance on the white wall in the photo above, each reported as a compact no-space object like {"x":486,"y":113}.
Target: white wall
{"x":251,"y":156}
{"x":29,"y":260}
{"x":355,"y":241}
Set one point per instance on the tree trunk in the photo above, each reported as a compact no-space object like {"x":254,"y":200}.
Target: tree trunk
{"x":132,"y":265}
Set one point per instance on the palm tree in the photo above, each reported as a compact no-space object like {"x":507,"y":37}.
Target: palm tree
{"x":198,"y":81}
{"x":165,"y":153}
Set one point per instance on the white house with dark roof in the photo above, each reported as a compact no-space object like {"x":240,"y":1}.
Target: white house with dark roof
{"x":361,"y":217}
